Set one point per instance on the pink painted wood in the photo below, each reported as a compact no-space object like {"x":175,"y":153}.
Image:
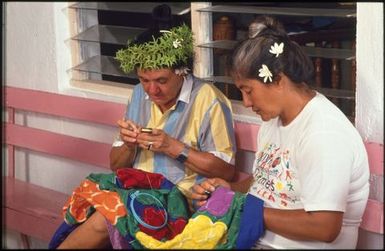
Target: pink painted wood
{"x":376,"y":157}
{"x":82,"y":150}
{"x":97,"y":153}
{"x":86,"y":109}
{"x":373,"y":218}
{"x":11,"y":149}
{"x":246,"y":135}
{"x":32,"y":209}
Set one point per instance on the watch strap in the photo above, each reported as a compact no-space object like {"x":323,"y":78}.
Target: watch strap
{"x":182,"y":157}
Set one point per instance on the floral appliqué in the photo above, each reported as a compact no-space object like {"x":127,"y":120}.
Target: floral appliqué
{"x":265,"y":73}
{"x":276,"y":49}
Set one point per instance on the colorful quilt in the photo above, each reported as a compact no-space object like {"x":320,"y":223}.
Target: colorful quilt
{"x":151,"y":212}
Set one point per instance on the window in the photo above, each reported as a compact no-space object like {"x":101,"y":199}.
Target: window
{"x":325,"y":30}
{"x":103,"y":28}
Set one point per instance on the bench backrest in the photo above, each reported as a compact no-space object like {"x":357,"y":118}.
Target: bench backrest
{"x":107,"y":113}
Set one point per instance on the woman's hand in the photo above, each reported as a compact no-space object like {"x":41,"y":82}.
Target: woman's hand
{"x":200,"y":192}
{"x":157,"y":141}
{"x":129,"y":132}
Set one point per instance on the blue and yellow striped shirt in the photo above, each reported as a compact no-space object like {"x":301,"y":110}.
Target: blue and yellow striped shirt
{"x":201,"y":118}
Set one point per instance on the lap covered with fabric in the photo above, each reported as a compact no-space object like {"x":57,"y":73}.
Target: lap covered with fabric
{"x":145,"y":210}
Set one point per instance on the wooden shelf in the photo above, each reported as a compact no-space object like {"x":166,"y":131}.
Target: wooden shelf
{"x":329,"y":92}
{"x":311,"y":51}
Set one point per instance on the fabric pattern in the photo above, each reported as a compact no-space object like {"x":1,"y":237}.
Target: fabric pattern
{"x":210,"y":228}
{"x":105,"y":193}
{"x":214,"y":225}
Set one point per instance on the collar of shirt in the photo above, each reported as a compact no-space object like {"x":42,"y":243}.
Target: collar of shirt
{"x":185,"y":92}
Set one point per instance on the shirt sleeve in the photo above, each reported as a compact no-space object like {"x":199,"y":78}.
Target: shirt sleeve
{"x":217,"y":132}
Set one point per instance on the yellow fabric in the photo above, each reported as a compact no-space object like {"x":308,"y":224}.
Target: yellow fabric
{"x":199,"y":233}
{"x":217,"y":118}
{"x":157,"y":120}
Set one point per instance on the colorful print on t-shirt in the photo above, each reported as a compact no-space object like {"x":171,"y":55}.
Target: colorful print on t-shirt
{"x":274,"y":177}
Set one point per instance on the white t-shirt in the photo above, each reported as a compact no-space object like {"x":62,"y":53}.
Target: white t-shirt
{"x":317,"y":162}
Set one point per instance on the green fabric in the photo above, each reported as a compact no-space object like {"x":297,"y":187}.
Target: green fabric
{"x":174,"y":201}
{"x":231,"y":218}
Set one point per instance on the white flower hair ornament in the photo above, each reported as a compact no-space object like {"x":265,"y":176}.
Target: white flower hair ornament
{"x":176,"y":43}
{"x":265,"y":73}
{"x":276,"y":49}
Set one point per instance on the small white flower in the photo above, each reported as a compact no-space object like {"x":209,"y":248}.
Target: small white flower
{"x":265,"y":73}
{"x":276,"y":49}
{"x":176,"y":43}
{"x":182,"y":71}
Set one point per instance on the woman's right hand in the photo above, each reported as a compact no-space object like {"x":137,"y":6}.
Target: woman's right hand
{"x":199,"y":192}
{"x":128,"y":132}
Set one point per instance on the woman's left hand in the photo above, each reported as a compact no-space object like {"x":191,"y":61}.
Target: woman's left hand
{"x":201,"y":192}
{"x":156,"y":141}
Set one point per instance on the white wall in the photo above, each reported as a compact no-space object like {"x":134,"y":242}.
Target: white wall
{"x":37,"y":58}
{"x":370,"y":89}
{"x":370,"y":71}
{"x":30,"y":45}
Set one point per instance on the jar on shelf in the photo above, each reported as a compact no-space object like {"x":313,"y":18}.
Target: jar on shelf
{"x":223,"y":30}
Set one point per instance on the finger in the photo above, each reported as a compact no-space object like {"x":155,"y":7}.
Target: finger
{"x":199,"y":192}
{"x":209,"y":185}
{"x":132,"y":126}
{"x":201,"y":203}
{"x":146,"y":145}
{"x":156,"y":131}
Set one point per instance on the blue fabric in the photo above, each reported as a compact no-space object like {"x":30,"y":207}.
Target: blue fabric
{"x":251,"y":225}
{"x":166,"y":184}
{"x":61,"y":233}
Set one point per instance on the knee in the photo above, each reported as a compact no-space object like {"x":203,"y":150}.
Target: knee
{"x":99,"y":224}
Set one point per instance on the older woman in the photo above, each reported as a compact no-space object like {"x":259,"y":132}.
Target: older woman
{"x":310,"y":173}
{"x":175,"y":125}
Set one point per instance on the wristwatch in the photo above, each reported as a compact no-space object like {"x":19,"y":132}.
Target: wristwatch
{"x":182,"y":157}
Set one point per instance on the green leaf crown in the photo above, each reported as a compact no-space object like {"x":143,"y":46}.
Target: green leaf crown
{"x":172,"y":48}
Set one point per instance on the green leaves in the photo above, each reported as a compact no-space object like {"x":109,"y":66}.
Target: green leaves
{"x":174,"y":46}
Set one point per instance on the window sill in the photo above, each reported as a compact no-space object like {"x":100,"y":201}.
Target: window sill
{"x":101,"y":90}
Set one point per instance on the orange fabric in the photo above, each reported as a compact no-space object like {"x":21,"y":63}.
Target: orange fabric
{"x":88,"y":193}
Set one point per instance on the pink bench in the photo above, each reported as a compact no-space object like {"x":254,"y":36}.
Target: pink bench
{"x":35,"y":211}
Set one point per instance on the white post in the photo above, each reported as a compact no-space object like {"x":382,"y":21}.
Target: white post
{"x":201,"y":23}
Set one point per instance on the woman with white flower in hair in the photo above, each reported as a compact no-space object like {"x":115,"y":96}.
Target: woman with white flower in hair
{"x":175,"y":124}
{"x":310,"y":174}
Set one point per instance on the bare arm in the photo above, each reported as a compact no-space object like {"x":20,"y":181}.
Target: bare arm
{"x":204,"y":163}
{"x":301,"y":225}
{"x":123,"y":156}
{"x":292,"y":224}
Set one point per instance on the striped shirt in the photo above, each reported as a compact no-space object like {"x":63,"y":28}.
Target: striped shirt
{"x":201,"y":118}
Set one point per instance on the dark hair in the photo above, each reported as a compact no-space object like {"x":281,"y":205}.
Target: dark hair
{"x":162,"y":19}
{"x":249,"y":55}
